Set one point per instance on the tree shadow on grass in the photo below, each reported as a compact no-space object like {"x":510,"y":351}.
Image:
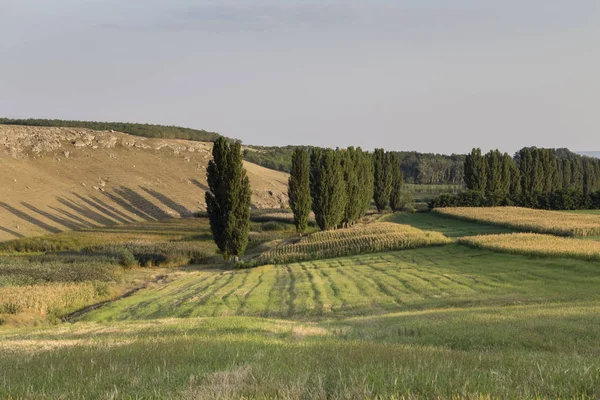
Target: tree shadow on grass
{"x":87,"y":212}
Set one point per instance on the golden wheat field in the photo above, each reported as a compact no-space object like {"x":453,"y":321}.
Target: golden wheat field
{"x":540,"y":221}
{"x":44,"y":299}
{"x":536,"y":244}
{"x":379,"y":236}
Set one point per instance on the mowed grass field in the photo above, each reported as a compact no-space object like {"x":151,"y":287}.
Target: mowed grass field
{"x":447,"y":322}
{"x":449,"y":276}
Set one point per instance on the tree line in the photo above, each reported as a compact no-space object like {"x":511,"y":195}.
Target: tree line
{"x":338,"y":186}
{"x":419,"y":168}
{"x":538,"y":178}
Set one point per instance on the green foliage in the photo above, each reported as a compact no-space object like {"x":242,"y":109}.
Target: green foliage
{"x":398,"y":201}
{"x":417,"y":168}
{"x":299,"y":189}
{"x":358,"y":175}
{"x":327,"y":187}
{"x":382,"y":169}
{"x":273,"y":157}
{"x":228,"y":201}
{"x":145,"y":130}
{"x":127,"y":259}
{"x":476,"y":171}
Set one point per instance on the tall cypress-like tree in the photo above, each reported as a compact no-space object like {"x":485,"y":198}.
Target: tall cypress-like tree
{"x":526,"y":168}
{"x":228,"y":200}
{"x":299,"y":189}
{"x":397,"y":182}
{"x":383,"y":179}
{"x":493,"y":165}
{"x":366,"y":179}
{"x":351,"y":164}
{"x":515,"y":182}
{"x":476,"y":171}
{"x":327,"y":188}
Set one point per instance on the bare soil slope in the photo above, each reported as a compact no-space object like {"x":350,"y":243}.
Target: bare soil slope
{"x":55,"y":179}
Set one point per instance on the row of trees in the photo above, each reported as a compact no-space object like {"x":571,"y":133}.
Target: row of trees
{"x":539,"y":178}
{"x":339,"y":185}
{"x":419,"y":168}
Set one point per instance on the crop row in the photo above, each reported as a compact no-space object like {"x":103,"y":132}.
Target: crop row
{"x":375,"y":237}
{"x":537,"y":245}
{"x":539,"y":221}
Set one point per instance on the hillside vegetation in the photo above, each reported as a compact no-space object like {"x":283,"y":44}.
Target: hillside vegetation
{"x":56,"y":179}
{"x":145,"y":130}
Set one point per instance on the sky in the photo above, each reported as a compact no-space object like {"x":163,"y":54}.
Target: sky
{"x":439,"y":76}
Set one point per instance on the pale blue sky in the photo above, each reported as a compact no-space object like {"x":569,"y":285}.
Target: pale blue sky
{"x":439,"y":75}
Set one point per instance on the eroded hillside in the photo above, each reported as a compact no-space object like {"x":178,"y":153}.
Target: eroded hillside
{"x":55,"y":179}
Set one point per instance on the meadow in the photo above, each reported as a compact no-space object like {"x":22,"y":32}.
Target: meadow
{"x":467,"y":323}
{"x":448,"y":321}
{"x":533,"y":244}
{"x":526,"y":219}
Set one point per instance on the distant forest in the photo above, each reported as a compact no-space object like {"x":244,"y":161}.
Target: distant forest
{"x":419,"y":168}
{"x":145,"y":130}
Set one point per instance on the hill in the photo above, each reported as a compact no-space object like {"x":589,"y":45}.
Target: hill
{"x":54,"y":179}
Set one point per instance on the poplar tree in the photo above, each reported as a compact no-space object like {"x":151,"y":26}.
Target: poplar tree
{"x":506,"y":180}
{"x":476,"y":171}
{"x":493,"y":174}
{"x":397,"y":183}
{"x":327,"y":188}
{"x":366,"y":179}
{"x":383,"y":179}
{"x":351,"y":164}
{"x":299,"y":189}
{"x":228,"y":200}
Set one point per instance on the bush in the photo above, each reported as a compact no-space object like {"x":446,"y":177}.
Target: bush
{"x":127,"y":259}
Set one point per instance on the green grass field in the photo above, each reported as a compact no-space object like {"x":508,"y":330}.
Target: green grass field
{"x":447,"y":322}
{"x":440,"y":277}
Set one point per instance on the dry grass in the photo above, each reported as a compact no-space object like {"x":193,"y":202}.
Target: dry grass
{"x":540,"y":221}
{"x":537,"y":245}
{"x":374,"y":237}
{"x":45,"y":299}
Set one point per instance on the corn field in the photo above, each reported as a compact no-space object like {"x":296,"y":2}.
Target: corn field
{"x":534,"y":244}
{"x":375,"y":237}
{"x":540,"y":221}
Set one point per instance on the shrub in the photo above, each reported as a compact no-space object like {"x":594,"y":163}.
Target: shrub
{"x":127,"y":259}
